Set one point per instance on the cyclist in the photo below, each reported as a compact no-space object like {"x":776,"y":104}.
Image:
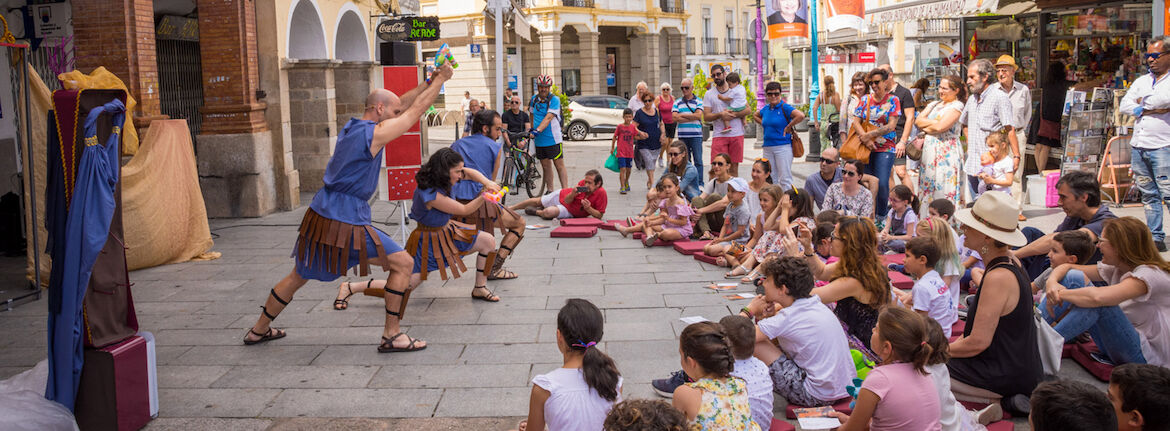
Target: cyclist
{"x":546,"y":108}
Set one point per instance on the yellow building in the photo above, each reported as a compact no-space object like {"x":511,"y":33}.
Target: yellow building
{"x":720,"y":31}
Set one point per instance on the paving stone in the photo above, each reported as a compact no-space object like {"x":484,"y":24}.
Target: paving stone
{"x":613,"y":301}
{"x":510,"y":353}
{"x":223,"y":403}
{"x":6,"y":372}
{"x":690,"y":277}
{"x":158,"y":322}
{"x":476,"y":334}
{"x":165,"y":355}
{"x":22,"y":356}
{"x":681,"y":266}
{"x":519,"y":316}
{"x":262,"y":354}
{"x":297,"y":376}
{"x":354,"y":403}
{"x":219,"y":424}
{"x":142,"y":308}
{"x":189,"y":376}
{"x":246,"y":307}
{"x":641,"y":350}
{"x":633,"y":315}
{"x":321,"y":319}
{"x":642,"y":372}
{"x":368,"y":355}
{"x":474,"y":402}
{"x":692,"y":299}
{"x":451,"y":376}
{"x":602,"y":279}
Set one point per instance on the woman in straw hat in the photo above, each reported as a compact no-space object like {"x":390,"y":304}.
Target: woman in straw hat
{"x":997,"y":356}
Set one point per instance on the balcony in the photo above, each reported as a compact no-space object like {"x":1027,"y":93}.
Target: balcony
{"x":691,"y":46}
{"x":671,"y":6}
{"x":577,"y":3}
{"x":736,"y":47}
{"x":710,"y":46}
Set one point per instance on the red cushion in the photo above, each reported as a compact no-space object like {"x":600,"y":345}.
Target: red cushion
{"x":611,"y":224}
{"x":1066,"y":351}
{"x":657,"y":242}
{"x":841,"y":406}
{"x":958,"y":327}
{"x":689,"y":247}
{"x":1001,"y":426}
{"x":1099,"y":370}
{"x":900,"y":280}
{"x":779,"y":425}
{"x":979,"y":406}
{"x":638,"y":235}
{"x":894,"y":258}
{"x":584,"y":221}
{"x":573,"y":232}
{"x":702,"y":257}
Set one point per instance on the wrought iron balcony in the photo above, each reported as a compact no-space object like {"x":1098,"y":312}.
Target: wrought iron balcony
{"x":711,"y":45}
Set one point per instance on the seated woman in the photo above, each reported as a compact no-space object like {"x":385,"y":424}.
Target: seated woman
{"x":849,"y":197}
{"x":858,"y":282}
{"x":760,"y":177}
{"x":678,"y":163}
{"x":795,"y":209}
{"x":709,"y":205}
{"x":1130,"y":318}
{"x":673,"y":221}
{"x":997,"y":356}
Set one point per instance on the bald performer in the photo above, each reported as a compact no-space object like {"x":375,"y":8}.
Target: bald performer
{"x":336,"y":233}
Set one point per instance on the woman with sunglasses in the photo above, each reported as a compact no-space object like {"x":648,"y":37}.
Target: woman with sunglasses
{"x":858,"y":88}
{"x":709,"y":205}
{"x":646,"y":151}
{"x":665,"y":103}
{"x":778,"y":118}
{"x":941,"y":169}
{"x":849,"y":197}
{"x":881,"y":110}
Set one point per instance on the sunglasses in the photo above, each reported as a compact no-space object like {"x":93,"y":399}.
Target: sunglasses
{"x":877,"y":82}
{"x":849,"y":173}
{"x":672,"y":154}
{"x":828,"y":161}
{"x":716,"y":74}
{"x":835,"y":237}
{"x":1153,"y":55}
{"x":762,"y":159}
{"x":770,"y":93}
{"x":717,"y":163}
{"x":685,"y":88}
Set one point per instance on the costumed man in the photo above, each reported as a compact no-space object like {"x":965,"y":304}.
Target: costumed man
{"x":336,"y":233}
{"x":482,"y":152}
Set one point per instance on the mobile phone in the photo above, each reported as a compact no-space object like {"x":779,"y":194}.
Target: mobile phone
{"x":796,"y":231}
{"x":582,"y":189}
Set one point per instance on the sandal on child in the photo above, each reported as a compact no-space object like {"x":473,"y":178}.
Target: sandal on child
{"x":387,"y":345}
{"x":648,"y":241}
{"x":487,"y":297}
{"x":731,"y":274}
{"x":269,"y":335}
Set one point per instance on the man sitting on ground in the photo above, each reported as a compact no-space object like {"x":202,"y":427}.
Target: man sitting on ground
{"x":1080,"y":198}
{"x":587,"y":200}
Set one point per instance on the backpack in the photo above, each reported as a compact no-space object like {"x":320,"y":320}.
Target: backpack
{"x":532,"y":108}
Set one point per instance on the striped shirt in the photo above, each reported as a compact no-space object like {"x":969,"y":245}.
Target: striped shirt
{"x":690,"y":129}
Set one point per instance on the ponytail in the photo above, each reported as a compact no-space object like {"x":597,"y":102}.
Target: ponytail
{"x":706,"y":343}
{"x":905,"y":330}
{"x":580,"y":324}
{"x":937,"y":340}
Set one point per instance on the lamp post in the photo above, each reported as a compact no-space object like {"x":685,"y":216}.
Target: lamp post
{"x":814,"y":139}
{"x":759,"y":57}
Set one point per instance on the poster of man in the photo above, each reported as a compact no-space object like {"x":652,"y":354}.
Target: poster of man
{"x":787,"y":18}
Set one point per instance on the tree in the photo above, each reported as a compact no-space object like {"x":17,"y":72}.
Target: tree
{"x":566,"y":113}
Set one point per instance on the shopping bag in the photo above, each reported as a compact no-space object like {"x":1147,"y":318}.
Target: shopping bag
{"x":611,"y":163}
{"x":1050,"y":343}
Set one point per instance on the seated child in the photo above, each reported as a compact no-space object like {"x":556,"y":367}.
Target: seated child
{"x":954,"y":416}
{"x":1070,"y":405}
{"x":1070,"y":246}
{"x":579,"y":395}
{"x":716,"y":400}
{"x":765,"y":240}
{"x":673,"y":221}
{"x":932,"y":296}
{"x":897,"y":394}
{"x":742,"y":333}
{"x":644,"y":415}
{"x":949,"y":265}
{"x":734,"y":234}
{"x":997,"y":173}
{"x":1138,"y":394}
{"x":901,"y":220}
{"x":623,"y":147}
{"x":827,"y":216}
{"x":735,"y":97}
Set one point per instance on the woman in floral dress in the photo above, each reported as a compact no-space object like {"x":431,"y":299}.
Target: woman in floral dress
{"x":941,"y":174}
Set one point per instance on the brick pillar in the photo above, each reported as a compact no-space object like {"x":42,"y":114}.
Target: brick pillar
{"x":235,"y":146}
{"x":119,"y":34}
{"x":550,"y":54}
{"x":352,"y":81}
{"x":591,"y":55}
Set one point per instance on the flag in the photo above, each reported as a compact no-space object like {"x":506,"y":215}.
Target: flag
{"x":973,"y":46}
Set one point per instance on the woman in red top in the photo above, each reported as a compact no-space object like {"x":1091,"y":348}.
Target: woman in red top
{"x":665,"y":106}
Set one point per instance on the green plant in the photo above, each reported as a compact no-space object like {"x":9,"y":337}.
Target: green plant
{"x":699,"y":81}
{"x":751,"y":94}
{"x":566,"y":113}
{"x":803,"y":108}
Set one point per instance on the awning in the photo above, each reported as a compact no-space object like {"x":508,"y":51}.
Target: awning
{"x":519,"y":21}
{"x":923,"y":9}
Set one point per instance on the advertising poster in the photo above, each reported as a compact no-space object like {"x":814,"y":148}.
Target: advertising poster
{"x":787,"y":18}
{"x":611,"y":67}
{"x":845,"y":14}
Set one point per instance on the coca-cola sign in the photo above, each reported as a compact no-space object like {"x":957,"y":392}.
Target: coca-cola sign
{"x":409,"y":29}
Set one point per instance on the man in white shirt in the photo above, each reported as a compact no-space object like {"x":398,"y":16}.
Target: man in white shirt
{"x":987,"y":111}
{"x":636,"y":101}
{"x":1021,"y":99}
{"x":1148,"y":99}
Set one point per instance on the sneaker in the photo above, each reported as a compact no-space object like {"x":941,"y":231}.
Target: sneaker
{"x":530,"y":211}
{"x":623,"y":190}
{"x":665,"y":387}
{"x":1018,"y":405}
{"x":897,"y":267}
{"x":992,"y":413}
{"x":969,"y":300}
{"x":1161,"y":246}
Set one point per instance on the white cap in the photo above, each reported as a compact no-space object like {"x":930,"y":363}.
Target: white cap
{"x":738,"y":184}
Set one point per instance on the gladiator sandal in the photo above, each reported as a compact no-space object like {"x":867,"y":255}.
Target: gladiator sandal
{"x":271,"y":333}
{"x":497,"y":266}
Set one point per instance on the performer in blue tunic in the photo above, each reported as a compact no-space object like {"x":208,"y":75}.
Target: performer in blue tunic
{"x":336,"y":234}
{"x":91,"y":210}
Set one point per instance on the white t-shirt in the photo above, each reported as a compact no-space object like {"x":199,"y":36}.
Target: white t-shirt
{"x":717,"y":187}
{"x":572,"y":405}
{"x":954,"y":416}
{"x":809,"y":333}
{"x":752,"y":200}
{"x":713,"y":105}
{"x":933,"y":295}
{"x":999,"y":171}
{"x":759,"y":385}
{"x":1149,"y":313}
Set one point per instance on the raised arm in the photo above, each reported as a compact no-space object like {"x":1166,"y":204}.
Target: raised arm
{"x":392,"y":128}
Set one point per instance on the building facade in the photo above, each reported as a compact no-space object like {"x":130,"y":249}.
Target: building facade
{"x":722,"y":31}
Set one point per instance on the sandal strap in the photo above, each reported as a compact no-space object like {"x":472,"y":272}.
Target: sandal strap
{"x":278,"y":298}
{"x":392,"y":291}
{"x":265,"y":334}
{"x":393,"y":313}
{"x":264,"y":310}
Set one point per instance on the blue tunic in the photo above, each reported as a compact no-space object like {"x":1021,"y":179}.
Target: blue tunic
{"x":432,"y":218}
{"x":351,"y":178}
{"x":479,"y":152}
{"x":87,"y":228}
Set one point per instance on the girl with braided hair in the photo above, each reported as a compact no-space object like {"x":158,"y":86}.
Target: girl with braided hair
{"x":715,"y":400}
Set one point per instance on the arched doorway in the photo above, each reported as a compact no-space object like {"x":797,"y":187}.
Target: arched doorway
{"x":351,"y":43}
{"x":306,"y":33}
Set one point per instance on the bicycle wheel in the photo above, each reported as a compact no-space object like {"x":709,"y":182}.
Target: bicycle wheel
{"x":531,"y":177}
{"x":506,"y":179}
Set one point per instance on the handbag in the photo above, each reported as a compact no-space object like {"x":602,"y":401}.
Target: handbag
{"x":797,"y":143}
{"x":853,"y":148}
{"x":612,"y":163}
{"x":914,"y":150}
{"x":1050,"y":343}
{"x":1049,"y":129}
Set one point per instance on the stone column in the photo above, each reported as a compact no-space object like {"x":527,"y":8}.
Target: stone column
{"x":234,"y":146}
{"x":550,"y":54}
{"x":352,"y":82}
{"x":592,"y":80}
{"x":313,"y":118}
{"x":676,"y":61}
{"x":119,"y":34}
{"x":652,"y":59}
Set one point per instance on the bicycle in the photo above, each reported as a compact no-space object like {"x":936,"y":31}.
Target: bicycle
{"x":520,"y":169}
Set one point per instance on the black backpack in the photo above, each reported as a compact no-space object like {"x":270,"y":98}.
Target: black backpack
{"x":532,"y":108}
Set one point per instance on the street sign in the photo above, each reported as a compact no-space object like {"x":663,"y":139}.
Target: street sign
{"x":835,"y":58}
{"x":864,"y":57}
{"x":475,"y":49}
{"x":409,"y":29}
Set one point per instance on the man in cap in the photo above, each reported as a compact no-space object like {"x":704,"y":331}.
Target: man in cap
{"x":1020,"y":98}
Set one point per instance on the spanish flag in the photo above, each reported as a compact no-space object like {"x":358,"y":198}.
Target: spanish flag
{"x":973,"y":47}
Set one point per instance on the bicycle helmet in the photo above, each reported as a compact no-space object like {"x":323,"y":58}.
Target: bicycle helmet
{"x":544,"y":81}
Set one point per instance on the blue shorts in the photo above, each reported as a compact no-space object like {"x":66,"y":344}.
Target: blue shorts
{"x":625,"y":162}
{"x":318,"y":269}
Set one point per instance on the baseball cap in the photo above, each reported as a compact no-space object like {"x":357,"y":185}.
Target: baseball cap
{"x":738,"y":184}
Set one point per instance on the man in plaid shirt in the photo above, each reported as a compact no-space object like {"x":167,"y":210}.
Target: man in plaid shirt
{"x":987,"y":110}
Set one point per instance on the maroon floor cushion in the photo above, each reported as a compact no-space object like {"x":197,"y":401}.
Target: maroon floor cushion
{"x":702,"y":257}
{"x":958,"y":327}
{"x":779,"y":425}
{"x":841,"y":406}
{"x":1001,"y":426}
{"x":1081,"y":354}
{"x":689,"y":247}
{"x":894,"y":258}
{"x":612,"y":224}
{"x":573,"y":232}
{"x":1066,"y":351}
{"x":584,"y":221}
{"x":900,"y":280}
{"x":657,"y":242}
{"x":970,"y":405}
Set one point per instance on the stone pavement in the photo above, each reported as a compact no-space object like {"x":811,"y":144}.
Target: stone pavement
{"x":475,"y":372}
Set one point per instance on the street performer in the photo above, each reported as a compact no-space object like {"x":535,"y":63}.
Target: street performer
{"x":336,"y":233}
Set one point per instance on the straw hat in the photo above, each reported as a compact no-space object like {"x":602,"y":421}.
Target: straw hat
{"x":1006,"y":60}
{"x":996,"y":215}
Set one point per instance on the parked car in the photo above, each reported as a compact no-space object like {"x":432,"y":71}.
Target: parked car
{"x":593,"y":115}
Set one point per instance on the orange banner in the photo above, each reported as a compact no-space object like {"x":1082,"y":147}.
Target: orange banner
{"x":845,"y":14}
{"x":787,"y":18}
